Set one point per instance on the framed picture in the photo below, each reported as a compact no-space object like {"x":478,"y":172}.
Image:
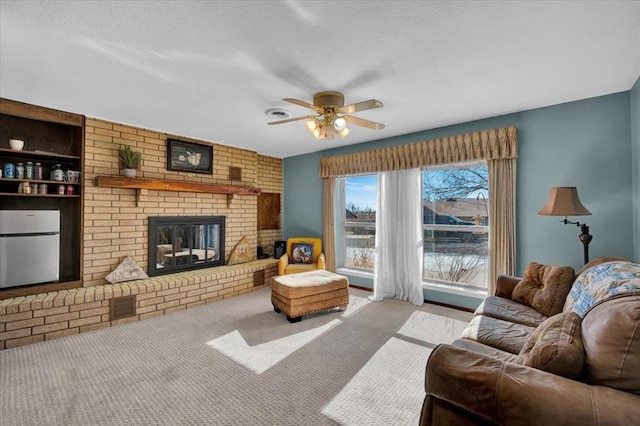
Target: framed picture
{"x":189,"y":157}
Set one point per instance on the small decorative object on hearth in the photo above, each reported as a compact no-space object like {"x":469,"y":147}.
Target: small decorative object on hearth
{"x":564,"y":201}
{"x":129,"y":160}
{"x":127,"y":270}
{"x":241,"y":253}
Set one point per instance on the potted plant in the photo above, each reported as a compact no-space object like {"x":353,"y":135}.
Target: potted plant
{"x":129,"y":160}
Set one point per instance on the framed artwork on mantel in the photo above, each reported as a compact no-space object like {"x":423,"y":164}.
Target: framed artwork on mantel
{"x":189,"y":157}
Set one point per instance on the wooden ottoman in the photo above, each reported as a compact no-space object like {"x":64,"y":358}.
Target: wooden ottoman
{"x":307,"y":292}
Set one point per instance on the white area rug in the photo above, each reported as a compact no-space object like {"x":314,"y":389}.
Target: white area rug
{"x":431,"y":328}
{"x":388,"y":390}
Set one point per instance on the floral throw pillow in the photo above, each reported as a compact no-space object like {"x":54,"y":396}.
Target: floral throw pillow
{"x":302,"y":253}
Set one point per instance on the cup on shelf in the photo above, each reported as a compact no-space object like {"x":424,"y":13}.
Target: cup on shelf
{"x":57,"y":174}
{"x":16,"y":144}
{"x":73,"y":176}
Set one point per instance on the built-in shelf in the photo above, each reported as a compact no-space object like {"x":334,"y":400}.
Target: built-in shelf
{"x":38,"y":154}
{"x":15,"y":194}
{"x":174,"y":185}
{"x":47,"y":181}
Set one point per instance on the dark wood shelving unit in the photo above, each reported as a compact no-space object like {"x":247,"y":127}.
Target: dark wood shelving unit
{"x":51,"y":137}
{"x":174,"y":185}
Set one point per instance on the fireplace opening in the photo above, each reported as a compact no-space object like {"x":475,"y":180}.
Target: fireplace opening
{"x":182,"y":243}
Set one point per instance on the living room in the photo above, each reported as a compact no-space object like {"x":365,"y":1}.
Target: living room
{"x":579,"y":125}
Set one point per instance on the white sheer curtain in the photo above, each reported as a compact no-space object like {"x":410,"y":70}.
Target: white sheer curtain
{"x":398,"y":267}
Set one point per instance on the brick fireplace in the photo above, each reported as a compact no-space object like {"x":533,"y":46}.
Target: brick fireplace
{"x":115,"y":224}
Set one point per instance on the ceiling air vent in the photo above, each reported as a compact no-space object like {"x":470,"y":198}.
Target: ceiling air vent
{"x":122,"y":307}
{"x":235,"y":173}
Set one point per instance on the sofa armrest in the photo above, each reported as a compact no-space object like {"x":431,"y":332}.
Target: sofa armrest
{"x":321,"y":262}
{"x":505,"y":285}
{"x":483,"y":387}
{"x":283,"y":262}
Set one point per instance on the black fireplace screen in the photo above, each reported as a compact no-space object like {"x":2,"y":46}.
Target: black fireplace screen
{"x":181,"y":243}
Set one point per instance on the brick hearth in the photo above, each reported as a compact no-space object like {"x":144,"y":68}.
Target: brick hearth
{"x":46,"y":316}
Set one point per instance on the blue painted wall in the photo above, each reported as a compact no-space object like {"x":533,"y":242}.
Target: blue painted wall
{"x":635,"y":150}
{"x":586,"y":144}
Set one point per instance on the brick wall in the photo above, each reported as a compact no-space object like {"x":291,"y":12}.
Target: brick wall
{"x":31,"y":319}
{"x":114,"y":227}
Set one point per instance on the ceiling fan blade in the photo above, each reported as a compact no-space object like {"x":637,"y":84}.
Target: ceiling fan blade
{"x":360,"y":106}
{"x":289,"y":120}
{"x":302,"y":104}
{"x":364,"y":123}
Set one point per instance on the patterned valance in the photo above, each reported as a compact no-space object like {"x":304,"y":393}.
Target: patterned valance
{"x":490,"y":144}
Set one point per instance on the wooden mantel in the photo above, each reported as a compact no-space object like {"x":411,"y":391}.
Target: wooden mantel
{"x":174,"y":185}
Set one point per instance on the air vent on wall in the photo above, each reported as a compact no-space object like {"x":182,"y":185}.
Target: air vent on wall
{"x":122,"y":307}
{"x":235,"y":173}
{"x":258,"y":278}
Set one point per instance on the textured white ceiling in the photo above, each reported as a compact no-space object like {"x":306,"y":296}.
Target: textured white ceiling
{"x":210,"y":69}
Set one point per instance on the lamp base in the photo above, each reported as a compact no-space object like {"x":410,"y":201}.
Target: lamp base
{"x":585,"y":237}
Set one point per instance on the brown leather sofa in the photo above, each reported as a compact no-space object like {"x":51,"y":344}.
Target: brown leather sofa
{"x":481,"y":378}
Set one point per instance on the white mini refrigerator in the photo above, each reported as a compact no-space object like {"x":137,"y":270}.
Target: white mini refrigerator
{"x":29,"y":247}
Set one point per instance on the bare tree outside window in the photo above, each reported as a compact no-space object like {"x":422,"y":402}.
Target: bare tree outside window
{"x":455,"y":223}
{"x":454,"y":183}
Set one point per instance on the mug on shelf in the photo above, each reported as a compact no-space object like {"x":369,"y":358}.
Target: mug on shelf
{"x":73,"y":176}
{"x":57,"y":173}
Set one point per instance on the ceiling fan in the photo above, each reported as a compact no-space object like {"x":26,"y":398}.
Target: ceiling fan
{"x":332,"y":115}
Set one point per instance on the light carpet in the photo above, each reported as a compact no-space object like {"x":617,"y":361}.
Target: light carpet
{"x":233,"y":362}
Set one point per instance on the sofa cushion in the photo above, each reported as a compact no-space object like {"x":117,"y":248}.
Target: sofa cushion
{"x":474,"y":346}
{"x":295,"y":268}
{"x":555,"y":346}
{"x":611,"y":334}
{"x":544,"y":288}
{"x":302,"y":253}
{"x":504,"y":335}
{"x":508,"y":310}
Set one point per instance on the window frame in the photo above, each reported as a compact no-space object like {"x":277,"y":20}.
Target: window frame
{"x":341,"y":223}
{"x":455,"y":287}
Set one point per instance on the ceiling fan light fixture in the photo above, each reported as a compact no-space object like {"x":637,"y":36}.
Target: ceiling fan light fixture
{"x":339,"y":123}
{"x":331,"y":132}
{"x":344,"y":132}
{"x":311,"y":124}
{"x":332,"y":115}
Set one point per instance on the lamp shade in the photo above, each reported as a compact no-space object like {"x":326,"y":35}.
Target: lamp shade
{"x":564,"y":201}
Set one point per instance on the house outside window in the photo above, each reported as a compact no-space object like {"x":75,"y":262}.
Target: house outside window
{"x":455,"y":225}
{"x":356,"y":222}
{"x":455,"y":203}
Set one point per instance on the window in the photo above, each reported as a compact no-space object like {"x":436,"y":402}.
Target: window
{"x":356,"y":222}
{"x":455,"y":225}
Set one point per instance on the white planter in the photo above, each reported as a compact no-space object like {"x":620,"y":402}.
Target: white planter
{"x":130,"y":173}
